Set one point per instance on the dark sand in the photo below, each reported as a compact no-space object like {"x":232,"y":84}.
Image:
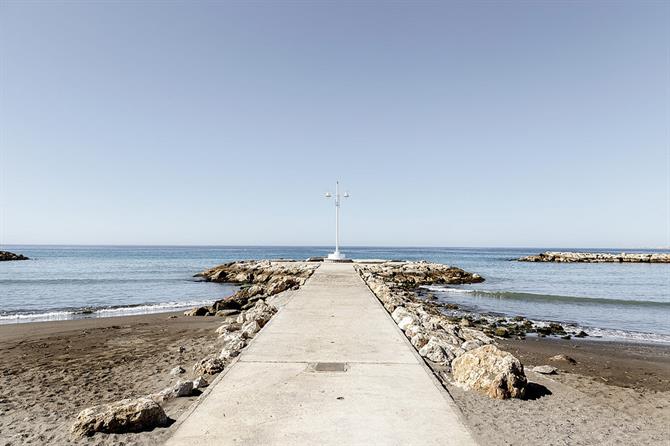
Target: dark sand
{"x":615,"y":394}
{"x":49,"y":371}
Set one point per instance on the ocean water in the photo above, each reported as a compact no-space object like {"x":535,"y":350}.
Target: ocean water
{"x":627,"y":301}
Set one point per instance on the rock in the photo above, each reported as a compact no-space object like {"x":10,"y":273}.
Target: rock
{"x":465,"y":322}
{"x":261,"y":313}
{"x":597,"y":257}
{"x":182,"y":349}
{"x":258,"y":278}
{"x":250,"y":329}
{"x":200,"y":382}
{"x":490,"y":371}
{"x":177,"y":371}
{"x":200,"y":311}
{"x":182,"y":388}
{"x":413,"y":330}
{"x":225,"y":313}
{"x":419,"y":340}
{"x":502,"y":332}
{"x":234,"y":344}
{"x":433,"y":351}
{"x":563,"y":358}
{"x":581,"y":334}
{"x":469,"y":345}
{"x":545,"y":369}
{"x":208,"y":366}
{"x":6,"y":256}
{"x":227,"y":328}
{"x":414,"y":274}
{"x":404,"y":318}
{"x":470,"y":334}
{"x":129,"y":415}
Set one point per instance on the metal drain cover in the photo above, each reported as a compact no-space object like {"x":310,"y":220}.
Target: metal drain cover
{"x":329,"y":366}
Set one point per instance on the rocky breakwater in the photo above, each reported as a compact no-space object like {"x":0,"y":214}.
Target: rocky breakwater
{"x":7,"y":256}
{"x":242,"y":315}
{"x":597,"y":257}
{"x":257,"y":279}
{"x":457,"y":353}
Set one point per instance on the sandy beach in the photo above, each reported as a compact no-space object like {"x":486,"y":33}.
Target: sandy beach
{"x":614,"y":393}
{"x":52,"y":370}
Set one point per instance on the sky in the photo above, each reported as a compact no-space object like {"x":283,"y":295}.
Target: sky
{"x":529,"y":124}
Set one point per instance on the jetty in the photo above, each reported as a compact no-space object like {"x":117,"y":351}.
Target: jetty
{"x":330,"y":368}
{"x":597,"y":257}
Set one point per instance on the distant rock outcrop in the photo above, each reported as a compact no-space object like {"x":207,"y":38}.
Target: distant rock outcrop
{"x":6,"y":256}
{"x":597,"y":257}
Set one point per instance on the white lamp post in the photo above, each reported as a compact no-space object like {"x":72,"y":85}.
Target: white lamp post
{"x":337,"y":255}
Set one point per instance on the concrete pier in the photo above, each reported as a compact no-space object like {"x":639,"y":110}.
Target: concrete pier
{"x":331,"y":368}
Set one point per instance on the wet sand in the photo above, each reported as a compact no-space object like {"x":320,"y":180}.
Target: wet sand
{"x":49,"y":371}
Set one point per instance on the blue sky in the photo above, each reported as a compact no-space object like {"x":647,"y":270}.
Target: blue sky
{"x":451,"y":123}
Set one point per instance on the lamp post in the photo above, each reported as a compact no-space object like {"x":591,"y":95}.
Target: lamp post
{"x":337,"y":255}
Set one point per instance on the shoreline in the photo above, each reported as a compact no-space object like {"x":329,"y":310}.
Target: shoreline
{"x":100,"y":313}
{"x":52,"y":370}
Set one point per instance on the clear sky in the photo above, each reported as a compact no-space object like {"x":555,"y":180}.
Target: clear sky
{"x":450,"y":123}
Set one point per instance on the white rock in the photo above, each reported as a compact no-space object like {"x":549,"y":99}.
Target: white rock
{"x":419,"y":340}
{"x":200,"y":382}
{"x":129,"y":415}
{"x":177,"y":371}
{"x":490,"y":371}
{"x":250,"y":329}
{"x":413,"y":330}
{"x":433,"y":351}
{"x":404,"y":318}
{"x":182,"y":388}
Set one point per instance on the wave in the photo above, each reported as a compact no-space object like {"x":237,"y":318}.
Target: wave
{"x":98,"y":280}
{"x":551,"y":298}
{"x":86,"y":312}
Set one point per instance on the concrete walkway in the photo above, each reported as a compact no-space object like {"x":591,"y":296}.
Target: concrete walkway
{"x":275,"y":393}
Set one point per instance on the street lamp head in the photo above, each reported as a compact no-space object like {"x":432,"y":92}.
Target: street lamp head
{"x":346,"y":195}
{"x":328,"y":195}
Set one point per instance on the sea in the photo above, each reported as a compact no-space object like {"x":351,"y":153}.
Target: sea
{"x":629,"y":301}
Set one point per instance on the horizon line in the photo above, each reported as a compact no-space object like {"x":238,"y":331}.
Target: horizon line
{"x":131,"y":245}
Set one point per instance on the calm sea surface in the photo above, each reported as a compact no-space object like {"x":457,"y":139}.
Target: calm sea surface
{"x":630,"y":301}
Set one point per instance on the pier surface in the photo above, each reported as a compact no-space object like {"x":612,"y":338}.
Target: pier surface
{"x":331,"y":368}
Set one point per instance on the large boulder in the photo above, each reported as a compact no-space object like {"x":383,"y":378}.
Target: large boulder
{"x":490,"y":371}
{"x":129,"y":415}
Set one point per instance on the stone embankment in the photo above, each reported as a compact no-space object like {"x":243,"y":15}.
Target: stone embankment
{"x":456,"y":352}
{"x":242,"y":315}
{"x":6,"y":256}
{"x":595,"y":257}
